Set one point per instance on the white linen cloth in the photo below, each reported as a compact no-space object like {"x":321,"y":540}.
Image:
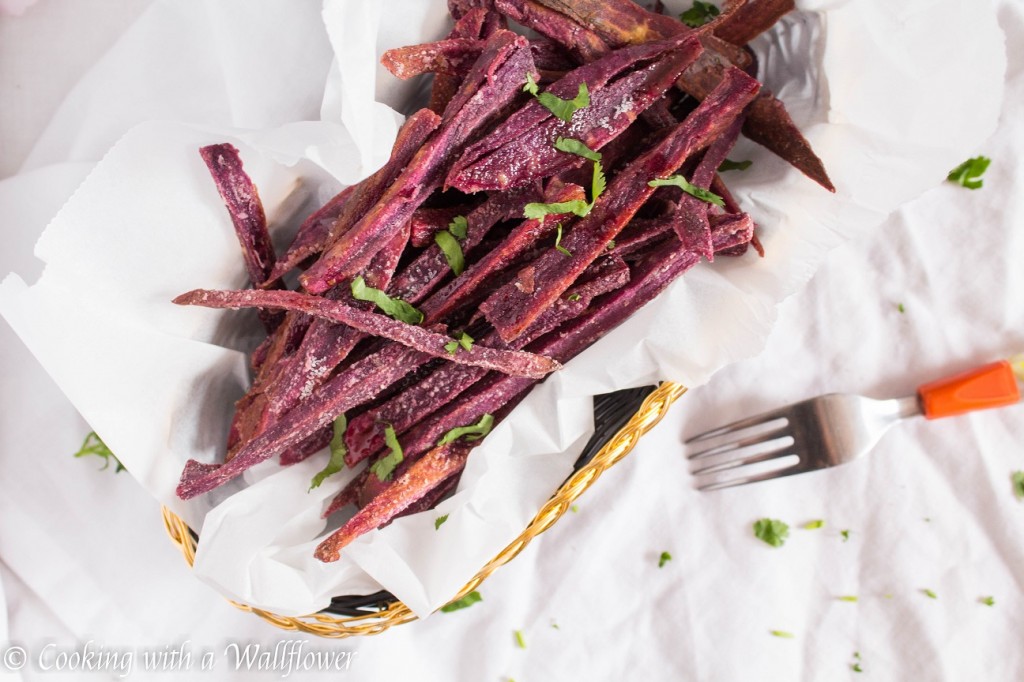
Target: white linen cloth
{"x":707,"y":613}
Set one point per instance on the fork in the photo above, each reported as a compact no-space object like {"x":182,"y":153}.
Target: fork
{"x":836,"y":428}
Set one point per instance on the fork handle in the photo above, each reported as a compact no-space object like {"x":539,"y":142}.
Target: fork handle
{"x":991,"y":385}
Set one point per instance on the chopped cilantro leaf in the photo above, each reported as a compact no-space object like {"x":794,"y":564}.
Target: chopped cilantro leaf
{"x":467,"y":601}
{"x":464,"y":341}
{"x":968,"y":174}
{"x":929,"y":593}
{"x":338,"y":452}
{"x":900,"y":307}
{"x":94,"y":445}
{"x":598,"y":184}
{"x":565,"y":108}
{"x":573,"y":508}
{"x":729,"y":165}
{"x":664,"y":559}
{"x":558,"y":242}
{"x":393,"y":307}
{"x":531,"y":85}
{"x":700,"y":14}
{"x":849,"y":598}
{"x":1017,"y":477}
{"x":571,"y":146}
{"x":783,"y":634}
{"x":846,"y":534}
{"x":573,"y":297}
{"x":449,"y":246}
{"x":520,"y":642}
{"x":459,"y":227}
{"x":384,"y":467}
{"x":694,"y":191}
{"x":772,"y":531}
{"x":536,"y":211}
{"x":815,"y":524}
{"x":471,"y":432}
{"x":439,"y":521}
{"x":988,"y":601}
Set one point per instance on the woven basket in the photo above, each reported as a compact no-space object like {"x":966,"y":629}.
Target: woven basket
{"x":650,"y":412}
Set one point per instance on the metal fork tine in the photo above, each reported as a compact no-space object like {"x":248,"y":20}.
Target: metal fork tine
{"x":760,"y":437}
{"x":797,"y":468}
{"x":781,"y":450}
{"x":739,"y":425}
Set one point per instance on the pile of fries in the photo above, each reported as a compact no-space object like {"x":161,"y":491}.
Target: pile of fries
{"x":551,"y":188}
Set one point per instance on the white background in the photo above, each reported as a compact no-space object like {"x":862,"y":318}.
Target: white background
{"x":932,"y":508}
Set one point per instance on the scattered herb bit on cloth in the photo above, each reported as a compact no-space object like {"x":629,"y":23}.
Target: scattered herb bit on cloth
{"x":968,"y":174}
{"x":664,"y":559}
{"x":94,"y":445}
{"x":1018,"y":484}
{"x":772,"y":531}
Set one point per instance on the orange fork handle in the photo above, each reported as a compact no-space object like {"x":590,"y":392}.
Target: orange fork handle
{"x":992,"y":385}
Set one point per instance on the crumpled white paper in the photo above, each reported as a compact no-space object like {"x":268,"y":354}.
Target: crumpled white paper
{"x":866,"y":81}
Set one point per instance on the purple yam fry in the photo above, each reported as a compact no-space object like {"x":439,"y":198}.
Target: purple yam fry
{"x":509,"y":362}
{"x":242,"y":200}
{"x":692,"y":224}
{"x":423,"y":476}
{"x":493,"y":83}
{"x":307,"y":448}
{"x":513,"y":308}
{"x":514,"y":155}
{"x":582,"y":43}
{"x":312,"y":236}
{"x":750,"y":19}
{"x":451,"y":56}
{"x":358,"y":384}
{"x":347,"y":495}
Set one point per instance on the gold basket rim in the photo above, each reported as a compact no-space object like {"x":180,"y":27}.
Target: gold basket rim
{"x":654,"y":407}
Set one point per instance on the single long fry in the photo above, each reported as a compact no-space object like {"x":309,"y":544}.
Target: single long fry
{"x":431,"y":343}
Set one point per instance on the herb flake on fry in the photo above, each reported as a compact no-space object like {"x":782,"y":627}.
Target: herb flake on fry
{"x":338,"y":452}
{"x":694,"y":191}
{"x":393,"y":307}
{"x":572,"y":146}
{"x":729,"y":165}
{"x":471,"y":432}
{"x":449,"y":246}
{"x":558,"y":242}
{"x":464,"y":341}
{"x":384,"y":467}
{"x":561,"y":108}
